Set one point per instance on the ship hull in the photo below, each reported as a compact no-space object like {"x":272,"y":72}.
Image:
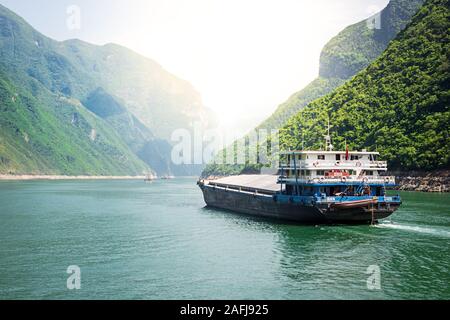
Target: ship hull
{"x":268,"y":206}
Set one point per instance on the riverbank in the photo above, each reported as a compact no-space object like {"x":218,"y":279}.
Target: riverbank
{"x":7,"y":177}
{"x":437,"y":181}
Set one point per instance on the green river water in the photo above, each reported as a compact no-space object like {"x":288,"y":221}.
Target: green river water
{"x":136,"y":240}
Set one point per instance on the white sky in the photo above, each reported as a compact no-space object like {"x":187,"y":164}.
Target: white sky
{"x":245,"y":57}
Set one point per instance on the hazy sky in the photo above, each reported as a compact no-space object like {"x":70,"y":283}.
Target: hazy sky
{"x":245,"y":57}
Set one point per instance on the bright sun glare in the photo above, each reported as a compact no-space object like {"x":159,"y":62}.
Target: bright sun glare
{"x":244,"y":57}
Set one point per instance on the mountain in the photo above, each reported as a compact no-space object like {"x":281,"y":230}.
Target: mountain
{"x":154,"y":151}
{"x":345,"y":55}
{"x":157,"y":98}
{"x":46,"y":133}
{"x":110,"y":102}
{"x":398,"y":105}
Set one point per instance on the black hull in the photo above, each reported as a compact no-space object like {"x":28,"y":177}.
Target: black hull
{"x":265,"y":206}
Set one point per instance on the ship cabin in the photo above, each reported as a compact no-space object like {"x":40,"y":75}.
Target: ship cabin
{"x":333,"y":173}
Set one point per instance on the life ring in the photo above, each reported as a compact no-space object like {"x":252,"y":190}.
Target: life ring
{"x":358,"y":164}
{"x":337,"y":164}
{"x":344,"y":179}
{"x":322,"y":179}
{"x":387,"y":179}
{"x":365,"y":180}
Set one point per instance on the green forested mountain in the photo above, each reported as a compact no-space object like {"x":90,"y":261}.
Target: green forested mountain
{"x":75,"y":108}
{"x":157,"y":98}
{"x":358,"y":45}
{"x":45,"y":133}
{"x":398,"y":105}
{"x":345,"y":55}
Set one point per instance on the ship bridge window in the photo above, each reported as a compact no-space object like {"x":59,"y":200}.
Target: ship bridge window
{"x":320,"y":172}
{"x":338,"y":157}
{"x":321,"y":157}
{"x":354,"y":157}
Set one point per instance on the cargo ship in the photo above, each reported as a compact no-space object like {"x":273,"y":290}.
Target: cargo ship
{"x":311,"y":187}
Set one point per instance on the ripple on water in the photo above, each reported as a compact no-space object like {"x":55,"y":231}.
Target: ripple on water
{"x":136,"y":241}
{"x":432,"y":231}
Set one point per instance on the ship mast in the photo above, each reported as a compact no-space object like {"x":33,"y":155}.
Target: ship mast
{"x":328,"y":145}
{"x":303,"y":141}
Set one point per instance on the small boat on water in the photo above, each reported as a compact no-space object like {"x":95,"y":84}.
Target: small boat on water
{"x":167,"y":177}
{"x":355,"y":203}
{"x":312,"y":187}
{"x":150,"y":178}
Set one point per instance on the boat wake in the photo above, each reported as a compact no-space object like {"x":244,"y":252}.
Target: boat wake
{"x":425,"y":230}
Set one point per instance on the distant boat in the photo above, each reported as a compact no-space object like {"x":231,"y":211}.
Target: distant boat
{"x":150,"y":177}
{"x":167,"y":177}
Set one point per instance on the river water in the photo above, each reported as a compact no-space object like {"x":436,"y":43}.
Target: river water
{"x":136,"y":240}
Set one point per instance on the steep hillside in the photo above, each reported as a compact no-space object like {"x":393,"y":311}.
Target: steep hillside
{"x":157,"y":98}
{"x":398,"y":105}
{"x":154,"y":151}
{"x":129,"y":96}
{"x":75,"y":68}
{"x":316,"y":89}
{"x":345,"y":55}
{"x":49,"y":134}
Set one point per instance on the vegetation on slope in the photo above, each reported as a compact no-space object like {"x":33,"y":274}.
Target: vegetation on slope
{"x":316,"y":89}
{"x":155,"y":152}
{"x":398,"y":105}
{"x":54,"y":135}
{"x":157,"y":98}
{"x":358,"y":45}
{"x":345,"y":55}
{"x":130,"y":106}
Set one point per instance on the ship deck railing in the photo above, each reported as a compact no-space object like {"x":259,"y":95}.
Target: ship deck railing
{"x":338,"y":164}
{"x":350,"y":179}
{"x":243,"y":189}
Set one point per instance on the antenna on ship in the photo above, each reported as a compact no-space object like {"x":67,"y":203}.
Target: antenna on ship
{"x":328,"y":145}
{"x":303,"y":141}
